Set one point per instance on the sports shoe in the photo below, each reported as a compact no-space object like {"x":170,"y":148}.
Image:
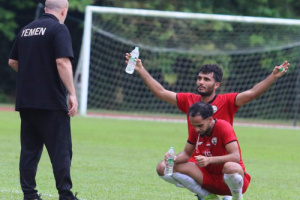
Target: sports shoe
{"x":227,"y":198}
{"x":75,"y":197}
{"x":199,"y":198}
{"x":38,"y":197}
{"x":240,"y":198}
{"x":209,"y":197}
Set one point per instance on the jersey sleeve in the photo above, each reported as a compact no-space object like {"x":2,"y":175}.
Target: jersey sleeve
{"x":62,"y":42}
{"x":231,"y":102}
{"x":193,"y":137}
{"x":181,"y":101}
{"x":228,"y":132}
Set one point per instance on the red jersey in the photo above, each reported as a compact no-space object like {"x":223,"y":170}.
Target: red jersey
{"x":223,"y":105}
{"x":214,"y":145}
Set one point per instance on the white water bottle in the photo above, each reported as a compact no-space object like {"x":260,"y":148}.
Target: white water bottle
{"x":170,"y":162}
{"x":131,"y":62}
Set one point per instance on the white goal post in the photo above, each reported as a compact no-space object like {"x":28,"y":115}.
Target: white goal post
{"x":106,"y":24}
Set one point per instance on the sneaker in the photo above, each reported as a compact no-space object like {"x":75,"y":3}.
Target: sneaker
{"x":211,"y":197}
{"x":75,"y":197}
{"x":227,"y":198}
{"x":38,"y":197}
{"x":199,"y":198}
{"x":208,"y":197}
{"x":241,"y":198}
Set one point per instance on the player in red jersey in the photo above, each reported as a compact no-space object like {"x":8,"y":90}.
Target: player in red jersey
{"x":217,"y":166}
{"x":208,"y":81}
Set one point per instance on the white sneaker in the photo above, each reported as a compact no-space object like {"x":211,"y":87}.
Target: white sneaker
{"x":227,"y":198}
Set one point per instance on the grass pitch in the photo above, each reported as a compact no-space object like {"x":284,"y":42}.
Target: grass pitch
{"x":116,"y":159}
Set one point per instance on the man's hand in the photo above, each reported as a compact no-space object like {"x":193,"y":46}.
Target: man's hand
{"x":138,"y":65}
{"x":202,"y":161}
{"x":166,"y":158}
{"x":279,"y":71}
{"x":73,"y":104}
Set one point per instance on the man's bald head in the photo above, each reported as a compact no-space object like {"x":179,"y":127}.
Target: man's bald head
{"x":59,"y":8}
{"x":56,"y":4}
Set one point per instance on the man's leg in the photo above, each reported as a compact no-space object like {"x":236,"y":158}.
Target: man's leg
{"x":57,"y":137}
{"x":233,"y":177}
{"x":31,"y":151}
{"x":168,"y":178}
{"x":182,"y":176}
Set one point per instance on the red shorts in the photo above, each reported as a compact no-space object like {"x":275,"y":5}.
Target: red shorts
{"x":215,"y":183}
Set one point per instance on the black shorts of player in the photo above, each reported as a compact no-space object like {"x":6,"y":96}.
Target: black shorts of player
{"x":52,"y":129}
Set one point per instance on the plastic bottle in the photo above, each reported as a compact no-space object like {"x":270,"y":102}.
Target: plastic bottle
{"x":131,"y":62}
{"x":170,"y":162}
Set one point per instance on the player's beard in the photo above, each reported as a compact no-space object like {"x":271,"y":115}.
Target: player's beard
{"x":208,"y":92}
{"x":206,"y":132}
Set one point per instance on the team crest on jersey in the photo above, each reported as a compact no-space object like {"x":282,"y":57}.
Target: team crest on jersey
{"x":215,"y":108}
{"x":214,"y":140}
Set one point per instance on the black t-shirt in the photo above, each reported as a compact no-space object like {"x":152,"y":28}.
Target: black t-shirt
{"x":36,"y":49}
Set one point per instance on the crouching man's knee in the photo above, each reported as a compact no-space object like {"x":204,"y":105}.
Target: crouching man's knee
{"x":160,"y":169}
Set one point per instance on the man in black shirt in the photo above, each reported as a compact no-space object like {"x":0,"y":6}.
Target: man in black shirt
{"x":42,"y":56}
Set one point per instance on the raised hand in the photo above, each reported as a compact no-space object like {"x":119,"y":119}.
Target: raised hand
{"x":280,"y":70}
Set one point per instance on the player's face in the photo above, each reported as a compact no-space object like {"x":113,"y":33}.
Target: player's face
{"x":206,"y":84}
{"x":201,"y":126}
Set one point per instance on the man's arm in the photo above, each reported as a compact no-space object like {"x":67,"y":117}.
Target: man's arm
{"x":232,"y":156}
{"x":13,"y":64}
{"x":247,"y":96}
{"x":185,"y":155}
{"x":65,"y":71}
{"x":156,"y":88}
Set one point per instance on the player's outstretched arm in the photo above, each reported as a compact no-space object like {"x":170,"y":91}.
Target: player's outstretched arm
{"x":156,"y":88}
{"x":257,"y":90}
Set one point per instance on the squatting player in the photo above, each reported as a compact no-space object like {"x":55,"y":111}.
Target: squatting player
{"x":217,"y":165}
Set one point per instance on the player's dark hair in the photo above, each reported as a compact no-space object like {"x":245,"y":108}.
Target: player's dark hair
{"x":201,"y":109}
{"x":212,"y":68}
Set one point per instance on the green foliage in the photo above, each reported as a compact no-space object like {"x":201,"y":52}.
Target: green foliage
{"x":9,"y":10}
{"x":80,"y":5}
{"x":256,"y":40}
{"x":7,"y":25}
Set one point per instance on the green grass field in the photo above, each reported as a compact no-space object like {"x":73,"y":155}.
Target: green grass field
{"x":116,"y":159}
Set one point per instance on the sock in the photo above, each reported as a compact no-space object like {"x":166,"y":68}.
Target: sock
{"x":235,"y":183}
{"x":169,"y":179}
{"x":190,"y":184}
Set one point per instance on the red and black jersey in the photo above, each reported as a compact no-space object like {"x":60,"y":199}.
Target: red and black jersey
{"x":223,"y":105}
{"x":214,"y":145}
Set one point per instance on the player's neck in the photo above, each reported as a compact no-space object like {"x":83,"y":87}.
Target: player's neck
{"x":212,"y":127}
{"x":209,"y":99}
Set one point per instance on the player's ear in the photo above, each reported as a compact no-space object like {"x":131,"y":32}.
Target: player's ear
{"x":64,"y":12}
{"x":217,"y":84}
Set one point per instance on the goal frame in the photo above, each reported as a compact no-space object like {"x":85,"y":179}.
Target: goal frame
{"x":84,"y":61}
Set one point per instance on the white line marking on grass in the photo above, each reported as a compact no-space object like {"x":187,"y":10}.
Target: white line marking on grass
{"x":171,"y":120}
{"x":20,"y":192}
{"x":181,"y":120}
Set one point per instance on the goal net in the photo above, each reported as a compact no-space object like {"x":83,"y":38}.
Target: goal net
{"x":173,"y":46}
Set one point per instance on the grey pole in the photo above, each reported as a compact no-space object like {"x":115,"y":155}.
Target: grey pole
{"x":38,"y":10}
